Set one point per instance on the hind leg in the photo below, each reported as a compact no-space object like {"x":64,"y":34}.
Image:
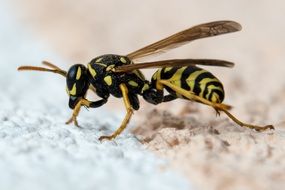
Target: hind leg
{"x":217,"y":106}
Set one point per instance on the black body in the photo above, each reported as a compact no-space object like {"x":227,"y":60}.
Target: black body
{"x":107,"y":82}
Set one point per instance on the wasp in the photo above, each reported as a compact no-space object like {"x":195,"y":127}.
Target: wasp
{"x":120,"y":76}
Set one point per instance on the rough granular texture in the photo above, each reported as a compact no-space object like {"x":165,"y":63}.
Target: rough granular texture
{"x":214,"y":153}
{"x":39,"y":152}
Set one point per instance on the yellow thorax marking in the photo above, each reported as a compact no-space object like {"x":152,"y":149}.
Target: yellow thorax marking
{"x":73,"y":90}
{"x":99,"y":59}
{"x":98,"y":62}
{"x":78,"y":74}
{"x":108,"y":80}
{"x":92,"y":71}
{"x":133,"y":83}
{"x":110,"y":68}
{"x":101,"y":64}
{"x":123,"y":60}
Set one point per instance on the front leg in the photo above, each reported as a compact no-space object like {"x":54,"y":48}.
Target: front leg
{"x":87,"y":103}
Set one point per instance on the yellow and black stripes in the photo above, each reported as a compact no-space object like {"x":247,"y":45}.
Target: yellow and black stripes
{"x":118,"y":76}
{"x":194,"y":79}
{"x":185,"y":74}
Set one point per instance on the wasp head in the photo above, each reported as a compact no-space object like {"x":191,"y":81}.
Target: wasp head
{"x":77,"y":83}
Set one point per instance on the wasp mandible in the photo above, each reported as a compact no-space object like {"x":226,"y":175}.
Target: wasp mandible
{"x":120,"y":76}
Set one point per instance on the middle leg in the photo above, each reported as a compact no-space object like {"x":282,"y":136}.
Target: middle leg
{"x":128,"y":115}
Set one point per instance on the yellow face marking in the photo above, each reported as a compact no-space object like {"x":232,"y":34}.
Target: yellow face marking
{"x":133,"y":83}
{"x":123,"y":60}
{"x":78,"y":74}
{"x":99,"y":60}
{"x":108,"y":80}
{"x":92,"y":71}
{"x":73,"y":90}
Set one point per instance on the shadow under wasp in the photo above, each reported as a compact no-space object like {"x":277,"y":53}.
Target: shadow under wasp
{"x":120,"y":76}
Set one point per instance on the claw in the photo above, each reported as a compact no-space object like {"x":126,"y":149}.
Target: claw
{"x":218,"y":113}
{"x":106,"y":138}
{"x":72,"y":119}
{"x":264,"y":128}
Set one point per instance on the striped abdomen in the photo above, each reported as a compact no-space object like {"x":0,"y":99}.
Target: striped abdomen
{"x":194,"y":79}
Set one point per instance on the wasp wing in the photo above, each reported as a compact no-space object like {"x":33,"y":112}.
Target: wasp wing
{"x":200,"y":31}
{"x":174,"y":63}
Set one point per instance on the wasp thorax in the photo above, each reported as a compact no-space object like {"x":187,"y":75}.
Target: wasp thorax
{"x":77,"y":83}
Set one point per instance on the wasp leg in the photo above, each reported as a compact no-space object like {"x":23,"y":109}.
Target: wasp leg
{"x":192,"y":96}
{"x":87,"y":103}
{"x":216,"y":106}
{"x":127,"y":118}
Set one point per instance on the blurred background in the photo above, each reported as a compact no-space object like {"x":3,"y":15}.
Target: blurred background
{"x":77,"y":32}
{"x":66,"y":32}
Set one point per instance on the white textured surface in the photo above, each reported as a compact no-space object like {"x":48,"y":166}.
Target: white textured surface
{"x":38,"y":151}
